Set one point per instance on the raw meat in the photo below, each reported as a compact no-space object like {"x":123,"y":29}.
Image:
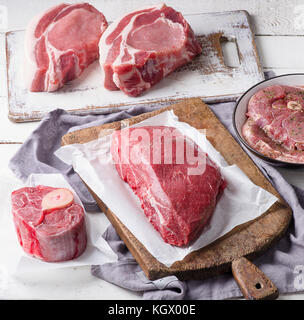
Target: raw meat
{"x":143,"y":47}
{"x":53,"y":236}
{"x":176,"y":203}
{"x":60,"y":43}
{"x":259,"y":141}
{"x":278,"y":111}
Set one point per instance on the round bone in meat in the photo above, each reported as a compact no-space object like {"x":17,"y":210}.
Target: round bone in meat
{"x":52,"y":236}
{"x":57,"y":199}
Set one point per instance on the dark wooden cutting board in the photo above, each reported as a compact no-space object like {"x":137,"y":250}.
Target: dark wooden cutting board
{"x":247,"y":240}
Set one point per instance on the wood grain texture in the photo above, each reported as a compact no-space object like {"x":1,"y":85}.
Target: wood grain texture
{"x":250,"y":239}
{"x":206,"y":76}
{"x":254,"y":284}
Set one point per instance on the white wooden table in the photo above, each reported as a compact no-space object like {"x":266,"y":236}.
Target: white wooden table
{"x":279,"y":29}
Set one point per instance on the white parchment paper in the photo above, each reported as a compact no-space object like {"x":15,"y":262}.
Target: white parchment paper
{"x":96,"y":252}
{"x":241,"y":201}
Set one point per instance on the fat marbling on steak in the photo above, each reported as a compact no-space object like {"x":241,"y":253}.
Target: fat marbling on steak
{"x":52,"y":235}
{"x":141,"y":48}
{"x":60,"y":43}
{"x":176,"y":203}
{"x":278,"y":111}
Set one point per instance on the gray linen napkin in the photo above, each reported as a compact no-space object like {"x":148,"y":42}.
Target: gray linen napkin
{"x":283,"y":263}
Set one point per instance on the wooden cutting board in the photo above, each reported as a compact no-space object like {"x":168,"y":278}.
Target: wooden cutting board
{"x":247,"y":240}
{"x":206,"y":76}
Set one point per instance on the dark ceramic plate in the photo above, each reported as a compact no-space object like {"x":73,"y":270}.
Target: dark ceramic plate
{"x":239,"y":115}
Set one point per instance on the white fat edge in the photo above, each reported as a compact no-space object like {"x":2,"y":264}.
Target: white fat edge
{"x":170,"y":61}
{"x":54,"y":55}
{"x":104,"y":28}
{"x":124,"y":34}
{"x":102,"y":43}
{"x":117,"y":79}
{"x":52,"y":52}
{"x":103,"y":52}
{"x":261,"y":145}
{"x":104,"y":47}
{"x":30,"y":44}
{"x":130,"y":29}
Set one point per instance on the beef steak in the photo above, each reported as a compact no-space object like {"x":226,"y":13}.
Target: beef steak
{"x":52,"y":236}
{"x":177,"y":204}
{"x":144,"y":46}
{"x":60,"y":43}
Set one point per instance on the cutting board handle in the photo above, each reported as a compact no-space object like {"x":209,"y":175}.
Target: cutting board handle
{"x":254,"y":284}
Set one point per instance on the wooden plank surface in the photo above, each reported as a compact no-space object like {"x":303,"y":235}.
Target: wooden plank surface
{"x":206,"y":76}
{"x":250,"y":239}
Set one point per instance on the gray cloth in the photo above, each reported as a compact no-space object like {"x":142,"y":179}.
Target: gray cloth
{"x":282,"y":263}
{"x":37,"y":153}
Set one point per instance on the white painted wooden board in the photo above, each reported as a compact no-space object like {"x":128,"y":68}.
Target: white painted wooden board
{"x":206,"y":77}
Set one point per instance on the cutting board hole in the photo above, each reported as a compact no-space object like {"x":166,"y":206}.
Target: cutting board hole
{"x":230,"y":52}
{"x":258,"y":286}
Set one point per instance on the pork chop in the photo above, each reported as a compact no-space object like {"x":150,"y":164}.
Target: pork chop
{"x":60,"y":43}
{"x":144,"y":46}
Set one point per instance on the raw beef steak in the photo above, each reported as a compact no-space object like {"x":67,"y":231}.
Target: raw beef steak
{"x":177,"y":204}
{"x":60,"y":43}
{"x":143,"y":47}
{"x":278,"y":111}
{"x":50,"y":235}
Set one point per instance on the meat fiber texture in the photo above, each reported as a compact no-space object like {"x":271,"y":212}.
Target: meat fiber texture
{"x":60,"y":43}
{"x":59,"y":235}
{"x":176,"y":203}
{"x":141,"y":48}
{"x":262,"y":143}
{"x":278,"y":111}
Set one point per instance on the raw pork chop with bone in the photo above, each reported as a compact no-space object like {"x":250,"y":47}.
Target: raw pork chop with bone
{"x":60,"y":43}
{"x":143,"y":47}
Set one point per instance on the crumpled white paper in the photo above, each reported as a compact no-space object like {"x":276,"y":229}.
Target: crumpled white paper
{"x":241,"y":201}
{"x":97,"y":250}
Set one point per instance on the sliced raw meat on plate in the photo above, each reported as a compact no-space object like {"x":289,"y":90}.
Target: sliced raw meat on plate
{"x":259,"y":141}
{"x":279,"y":112}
